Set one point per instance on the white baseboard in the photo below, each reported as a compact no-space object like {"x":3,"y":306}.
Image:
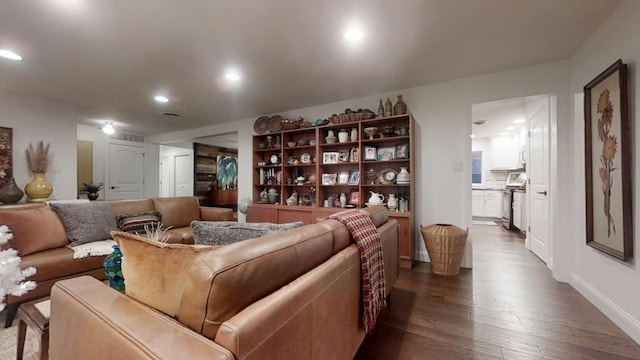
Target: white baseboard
{"x":624,"y":320}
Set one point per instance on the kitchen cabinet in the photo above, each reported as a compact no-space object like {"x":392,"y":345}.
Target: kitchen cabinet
{"x":486,"y":203}
{"x":477,"y":203}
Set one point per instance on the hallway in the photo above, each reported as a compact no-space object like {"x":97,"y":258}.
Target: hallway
{"x":507,"y":307}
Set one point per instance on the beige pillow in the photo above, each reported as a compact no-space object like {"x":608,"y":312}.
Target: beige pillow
{"x":156,"y":273}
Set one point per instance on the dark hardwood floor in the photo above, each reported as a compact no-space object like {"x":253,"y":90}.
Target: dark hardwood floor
{"x":507,"y":307}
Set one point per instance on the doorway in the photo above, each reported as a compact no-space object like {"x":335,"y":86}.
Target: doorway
{"x":511,"y":140}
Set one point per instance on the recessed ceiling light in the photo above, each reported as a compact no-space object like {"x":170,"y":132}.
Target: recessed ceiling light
{"x":8,"y":54}
{"x":232,"y":76}
{"x":472,"y":136}
{"x":518,"y":121}
{"x":353,"y":33}
{"x":161,"y":99}
{"x":511,"y":127}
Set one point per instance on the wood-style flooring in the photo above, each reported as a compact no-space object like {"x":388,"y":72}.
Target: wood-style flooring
{"x":507,"y":307}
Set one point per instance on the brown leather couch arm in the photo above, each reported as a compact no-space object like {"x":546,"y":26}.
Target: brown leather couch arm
{"x":89,"y":320}
{"x":215,"y":214}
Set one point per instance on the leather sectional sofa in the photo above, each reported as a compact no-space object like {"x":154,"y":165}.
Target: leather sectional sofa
{"x":39,"y":234}
{"x":292,"y":295}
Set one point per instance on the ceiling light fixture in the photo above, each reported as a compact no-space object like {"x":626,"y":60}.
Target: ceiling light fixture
{"x":108,"y":128}
{"x":161,"y":99}
{"x":232,"y":76}
{"x":8,"y":54}
{"x":353,"y":33}
{"x":518,"y":121}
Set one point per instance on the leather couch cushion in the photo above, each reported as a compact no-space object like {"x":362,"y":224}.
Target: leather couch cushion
{"x":86,"y":222}
{"x":156,"y":273}
{"x":34,"y":230}
{"x":178,"y":212}
{"x":131,"y":206}
{"x":229,"y":232}
{"x":223,"y":282}
{"x":58,"y":263}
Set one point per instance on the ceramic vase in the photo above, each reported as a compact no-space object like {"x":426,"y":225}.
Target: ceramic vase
{"x":343,"y":136}
{"x":388,"y":108}
{"x":392,"y":202}
{"x":38,"y":190}
{"x":354,"y":134}
{"x":92,"y":196}
{"x":331,"y":138}
{"x":380,"y":109}
{"x":400,"y":108}
{"x":343,"y":200}
{"x":403,"y":176}
{"x":10,"y":193}
{"x":113,"y":269}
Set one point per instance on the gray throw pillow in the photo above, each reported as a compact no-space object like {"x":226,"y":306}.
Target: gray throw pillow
{"x":86,"y":222}
{"x":228,"y":232}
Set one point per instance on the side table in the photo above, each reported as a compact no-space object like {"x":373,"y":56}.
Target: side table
{"x":29,"y":315}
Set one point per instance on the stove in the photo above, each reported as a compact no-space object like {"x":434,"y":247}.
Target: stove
{"x":515,"y":180}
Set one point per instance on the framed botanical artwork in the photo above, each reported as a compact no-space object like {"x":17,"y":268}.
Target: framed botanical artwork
{"x":330,"y":157}
{"x":608,"y":163}
{"x":354,"y":197}
{"x":329,"y":179}
{"x":6,"y":155}
{"x":370,"y":153}
{"x":354,"y":177}
{"x":386,"y":153}
{"x":343,"y":178}
{"x":402,"y":151}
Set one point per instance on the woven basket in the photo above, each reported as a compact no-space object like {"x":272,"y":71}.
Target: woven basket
{"x":445,"y":244}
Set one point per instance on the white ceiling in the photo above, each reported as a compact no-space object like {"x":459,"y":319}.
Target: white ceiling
{"x":497,"y":115}
{"x":109,"y":58}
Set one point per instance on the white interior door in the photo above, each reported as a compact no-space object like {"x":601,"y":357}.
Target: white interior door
{"x":183,"y":175}
{"x":165,"y":179}
{"x":538,"y":116}
{"x":126,"y":172}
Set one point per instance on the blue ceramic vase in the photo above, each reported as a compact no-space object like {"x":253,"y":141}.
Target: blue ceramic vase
{"x":113,"y":269}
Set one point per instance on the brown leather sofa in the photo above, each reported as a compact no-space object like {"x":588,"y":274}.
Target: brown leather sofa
{"x":292,"y":295}
{"x":57,"y":263}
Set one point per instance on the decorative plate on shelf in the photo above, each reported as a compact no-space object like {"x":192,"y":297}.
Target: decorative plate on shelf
{"x":274,"y":159}
{"x":275,"y":123}
{"x":387,"y":176}
{"x":261,"y":125}
{"x":305,"y":158}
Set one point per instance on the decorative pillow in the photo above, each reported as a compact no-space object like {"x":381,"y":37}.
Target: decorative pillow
{"x":34,"y":230}
{"x":86,"y":222}
{"x":228,"y":232}
{"x":135,"y":223}
{"x":156,"y":273}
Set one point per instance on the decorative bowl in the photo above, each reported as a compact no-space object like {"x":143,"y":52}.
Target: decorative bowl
{"x":303,"y":142}
{"x":371,"y":131}
{"x":292,"y":143}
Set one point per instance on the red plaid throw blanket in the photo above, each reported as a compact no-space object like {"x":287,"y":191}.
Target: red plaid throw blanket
{"x":369,"y":244}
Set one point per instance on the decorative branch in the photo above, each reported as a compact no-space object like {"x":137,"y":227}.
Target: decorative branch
{"x":38,"y":157}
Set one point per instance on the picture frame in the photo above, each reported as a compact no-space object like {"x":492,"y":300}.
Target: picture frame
{"x":386,"y":153}
{"x":343,"y":156}
{"x":608,"y":163}
{"x":6,"y":155}
{"x":354,"y":197}
{"x":402,"y":151}
{"x":343,"y":178}
{"x":330,"y":157}
{"x":354,"y":155}
{"x":329,"y":179}
{"x":354,"y":177}
{"x":370,"y":153}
